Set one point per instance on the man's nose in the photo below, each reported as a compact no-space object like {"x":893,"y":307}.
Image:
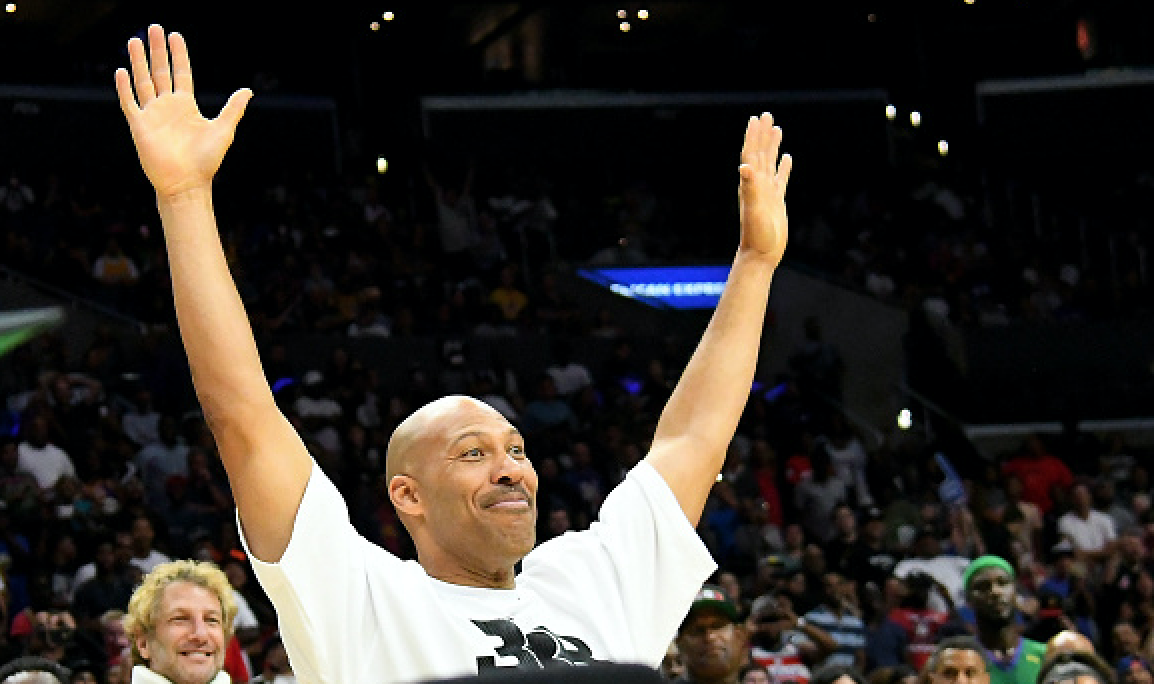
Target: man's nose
{"x":511,"y":470}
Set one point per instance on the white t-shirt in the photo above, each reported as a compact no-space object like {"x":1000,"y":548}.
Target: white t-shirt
{"x":949,"y":570}
{"x":1091,"y":534}
{"x":47,"y":464}
{"x":153,"y":559}
{"x":351,"y":612}
{"x":570,"y":378}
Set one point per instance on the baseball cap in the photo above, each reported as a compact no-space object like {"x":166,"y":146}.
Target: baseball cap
{"x":713,"y":596}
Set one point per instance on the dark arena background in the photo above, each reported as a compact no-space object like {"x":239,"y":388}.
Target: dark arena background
{"x":964,"y":318}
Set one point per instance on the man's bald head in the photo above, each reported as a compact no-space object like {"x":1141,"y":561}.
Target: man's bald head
{"x":420,"y":431}
{"x":1067,"y":641}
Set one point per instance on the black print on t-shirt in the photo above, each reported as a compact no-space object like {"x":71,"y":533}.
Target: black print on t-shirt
{"x":540,"y":649}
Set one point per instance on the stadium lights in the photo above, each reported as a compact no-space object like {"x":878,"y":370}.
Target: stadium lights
{"x":943,"y":147}
{"x":388,"y":16}
{"x":642,"y":14}
{"x":382,"y":165}
{"x":10,"y":8}
{"x":624,"y":26}
{"x":375,"y":26}
{"x":915,"y":118}
{"x":622,"y":14}
{"x":905,"y":419}
{"x":891,"y":112}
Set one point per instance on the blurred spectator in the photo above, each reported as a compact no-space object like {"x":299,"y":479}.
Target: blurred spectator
{"x":920,"y":624}
{"x":817,"y":496}
{"x":1090,"y":532}
{"x":144,"y":556}
{"x":712,"y":639}
{"x":840,"y":616}
{"x":39,"y":457}
{"x":818,"y":365}
{"x":1039,"y":472}
{"x":783,"y":643}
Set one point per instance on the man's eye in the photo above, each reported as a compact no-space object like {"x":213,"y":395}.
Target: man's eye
{"x":472,"y":454}
{"x":517,"y":450}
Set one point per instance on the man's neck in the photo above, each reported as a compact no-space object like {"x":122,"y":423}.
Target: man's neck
{"x":998,"y":638}
{"x":728,"y":678}
{"x":455,"y":573}
{"x":142,"y":675}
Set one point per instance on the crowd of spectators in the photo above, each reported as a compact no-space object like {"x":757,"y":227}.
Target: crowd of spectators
{"x":107,"y":469}
{"x":989,"y":254}
{"x":100,"y":482}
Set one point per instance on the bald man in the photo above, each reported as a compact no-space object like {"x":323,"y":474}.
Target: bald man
{"x":458,"y":472}
{"x":1066,"y":641}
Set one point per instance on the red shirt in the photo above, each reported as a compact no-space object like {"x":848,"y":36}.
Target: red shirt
{"x":767,"y":485}
{"x":1039,"y":476}
{"x":785,"y":666}
{"x":921,"y":628}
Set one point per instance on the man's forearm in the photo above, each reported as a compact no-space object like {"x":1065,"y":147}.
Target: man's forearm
{"x":214,"y":327}
{"x":712,"y":392}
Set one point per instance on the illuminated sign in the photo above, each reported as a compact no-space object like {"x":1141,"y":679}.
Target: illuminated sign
{"x":674,"y":287}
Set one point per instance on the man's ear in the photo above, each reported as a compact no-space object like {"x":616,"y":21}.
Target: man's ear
{"x":405,"y":495}
{"x":142,"y":646}
{"x":742,"y":632}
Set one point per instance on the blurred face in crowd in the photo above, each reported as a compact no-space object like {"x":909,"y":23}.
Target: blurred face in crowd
{"x":960,"y":666}
{"x":845,"y":521}
{"x":1131,"y":546}
{"x":838,"y":589}
{"x":756,"y":675}
{"x":672,"y":665}
{"x":1137,"y":673}
{"x":1081,"y":498}
{"x":1127,"y":641}
{"x":711,"y":644}
{"x":991,"y":594}
{"x":772,"y":617}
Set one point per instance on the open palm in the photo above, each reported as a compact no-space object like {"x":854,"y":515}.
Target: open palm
{"x":179,"y":149}
{"x":764,"y":227}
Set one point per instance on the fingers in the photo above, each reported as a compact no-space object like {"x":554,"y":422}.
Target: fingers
{"x":759,"y":153}
{"x":140,"y":76}
{"x":124,"y":92}
{"x":181,"y":67}
{"x":747,"y":147}
{"x":234,"y":108}
{"x":158,"y":56}
{"x":783,"y":170}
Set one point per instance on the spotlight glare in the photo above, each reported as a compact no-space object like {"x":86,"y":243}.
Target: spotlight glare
{"x":905,"y":419}
{"x":382,"y":164}
{"x":388,"y":16}
{"x":969,"y":2}
{"x":891,"y":112}
{"x":642,"y":14}
{"x":943,"y":147}
{"x":10,"y":8}
{"x":375,"y":26}
{"x":625,"y":27}
{"x":915,"y":118}
{"x":872,"y":18}
{"x":621,"y":14}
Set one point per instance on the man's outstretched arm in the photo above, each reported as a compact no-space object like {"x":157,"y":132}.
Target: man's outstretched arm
{"x":180,"y":151}
{"x":701,"y":416}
